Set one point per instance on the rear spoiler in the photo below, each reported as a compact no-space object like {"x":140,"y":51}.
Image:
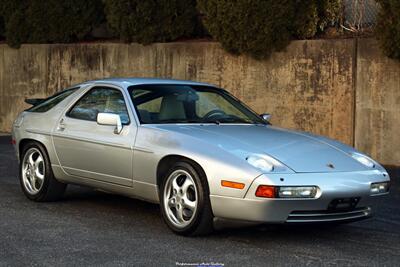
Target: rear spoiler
{"x":33,"y":101}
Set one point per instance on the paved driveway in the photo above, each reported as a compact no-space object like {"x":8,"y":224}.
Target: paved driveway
{"x":93,"y":228}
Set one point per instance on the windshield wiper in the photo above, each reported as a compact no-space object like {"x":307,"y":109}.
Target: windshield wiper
{"x":178,"y":121}
{"x":240,"y":120}
{"x":228,"y":120}
{"x":212,"y":121}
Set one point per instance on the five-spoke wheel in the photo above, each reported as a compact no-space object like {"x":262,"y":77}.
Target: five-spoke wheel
{"x":33,"y":170}
{"x":180,"y":195}
{"x":36,"y":176}
{"x":185,"y":200}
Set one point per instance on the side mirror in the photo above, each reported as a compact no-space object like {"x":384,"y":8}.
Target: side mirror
{"x":266,"y":117}
{"x":110,"y":119}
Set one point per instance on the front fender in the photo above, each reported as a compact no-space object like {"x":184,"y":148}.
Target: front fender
{"x":153,"y":144}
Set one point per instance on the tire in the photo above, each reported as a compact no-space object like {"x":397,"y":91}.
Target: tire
{"x":36,"y":176}
{"x":185,"y":206}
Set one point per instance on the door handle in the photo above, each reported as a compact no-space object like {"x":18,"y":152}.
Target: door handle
{"x":61,"y":125}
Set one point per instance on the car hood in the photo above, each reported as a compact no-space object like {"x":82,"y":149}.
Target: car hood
{"x":298,"y":151}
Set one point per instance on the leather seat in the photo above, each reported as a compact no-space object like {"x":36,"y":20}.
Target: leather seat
{"x":171,"y":108}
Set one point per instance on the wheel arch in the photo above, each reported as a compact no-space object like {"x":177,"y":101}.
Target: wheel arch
{"x":25,"y":141}
{"x":164,"y":165}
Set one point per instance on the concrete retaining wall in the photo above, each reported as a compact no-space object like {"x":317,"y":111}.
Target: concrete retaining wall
{"x":377,"y":128}
{"x":311,"y":86}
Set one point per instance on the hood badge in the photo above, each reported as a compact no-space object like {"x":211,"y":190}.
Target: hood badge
{"x":330,"y":165}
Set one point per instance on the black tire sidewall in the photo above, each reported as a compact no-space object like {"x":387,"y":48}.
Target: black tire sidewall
{"x":202,"y":194}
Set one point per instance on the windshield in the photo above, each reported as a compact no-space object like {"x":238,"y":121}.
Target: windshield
{"x":159,"y":104}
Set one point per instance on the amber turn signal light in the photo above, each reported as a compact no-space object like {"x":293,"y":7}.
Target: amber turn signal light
{"x":266,"y":191}
{"x":231,"y":184}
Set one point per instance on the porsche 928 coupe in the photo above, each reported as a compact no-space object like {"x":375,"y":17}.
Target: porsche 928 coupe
{"x":193,"y":148}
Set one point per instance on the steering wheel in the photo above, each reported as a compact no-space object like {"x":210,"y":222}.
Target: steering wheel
{"x":213,"y":113}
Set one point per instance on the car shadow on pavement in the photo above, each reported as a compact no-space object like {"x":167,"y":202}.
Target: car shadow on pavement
{"x":124,"y":208}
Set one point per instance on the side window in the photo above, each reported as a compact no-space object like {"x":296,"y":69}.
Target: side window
{"x":100,"y":100}
{"x":52,"y":101}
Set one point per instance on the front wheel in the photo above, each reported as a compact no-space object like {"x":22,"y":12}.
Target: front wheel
{"x":36,"y":176}
{"x":185,"y":202}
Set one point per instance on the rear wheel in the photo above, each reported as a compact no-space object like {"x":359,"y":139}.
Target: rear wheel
{"x":185,"y":202}
{"x":36,"y":176}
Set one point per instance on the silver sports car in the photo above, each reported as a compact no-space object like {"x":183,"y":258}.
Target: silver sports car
{"x":195,"y":149}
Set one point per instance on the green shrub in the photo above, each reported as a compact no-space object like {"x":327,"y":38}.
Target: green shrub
{"x":2,"y":29}
{"x":2,"y":17}
{"x":388,"y":27}
{"x":305,"y":24}
{"x":330,"y":12}
{"x":38,"y":21}
{"x":256,"y":27}
{"x":313,"y":16}
{"x":152,"y":20}
{"x":260,"y":27}
{"x":2,"y":26}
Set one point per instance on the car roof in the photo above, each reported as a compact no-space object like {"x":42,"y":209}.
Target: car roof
{"x":127,"y":82}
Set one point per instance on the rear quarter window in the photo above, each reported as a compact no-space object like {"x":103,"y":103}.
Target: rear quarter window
{"x":52,"y":101}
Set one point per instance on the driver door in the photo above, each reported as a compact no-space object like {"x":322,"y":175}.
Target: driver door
{"x":89,"y":150}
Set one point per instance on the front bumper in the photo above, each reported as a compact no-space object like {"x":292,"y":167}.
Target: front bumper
{"x":332,"y":186}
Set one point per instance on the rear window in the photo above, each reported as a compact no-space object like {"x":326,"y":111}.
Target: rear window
{"x":52,"y":101}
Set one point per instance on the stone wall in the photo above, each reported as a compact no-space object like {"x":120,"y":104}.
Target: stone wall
{"x":313,"y":85}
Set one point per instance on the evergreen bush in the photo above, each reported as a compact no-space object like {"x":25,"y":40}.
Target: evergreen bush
{"x":1,"y":27}
{"x":50,"y":21}
{"x":314,"y":16}
{"x":152,"y":20}
{"x":388,"y":27}
{"x":256,"y":27}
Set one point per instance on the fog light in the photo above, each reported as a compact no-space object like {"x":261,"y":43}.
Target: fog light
{"x":379,"y":188}
{"x":297,"y":191}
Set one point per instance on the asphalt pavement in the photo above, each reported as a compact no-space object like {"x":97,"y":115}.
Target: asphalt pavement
{"x":91,"y":228}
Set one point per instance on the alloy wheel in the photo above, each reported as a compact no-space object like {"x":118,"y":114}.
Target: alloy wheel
{"x":33,"y":170}
{"x":180,"y":198}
